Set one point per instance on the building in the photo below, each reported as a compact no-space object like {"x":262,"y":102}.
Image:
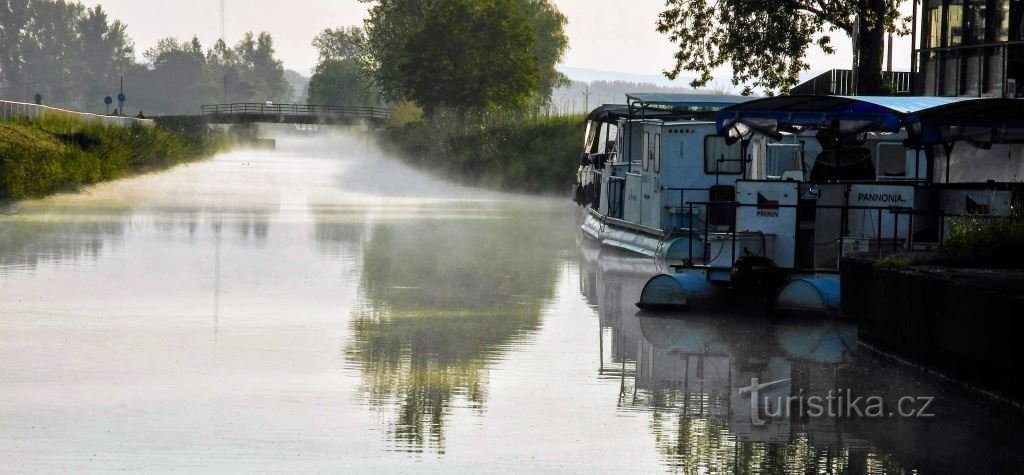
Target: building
{"x":970,"y":48}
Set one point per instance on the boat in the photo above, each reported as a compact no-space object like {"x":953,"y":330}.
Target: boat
{"x":771,"y":193}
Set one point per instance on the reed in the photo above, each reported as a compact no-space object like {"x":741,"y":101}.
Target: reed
{"x":53,"y":154}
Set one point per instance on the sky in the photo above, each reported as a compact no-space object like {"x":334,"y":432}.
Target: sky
{"x":605,"y":35}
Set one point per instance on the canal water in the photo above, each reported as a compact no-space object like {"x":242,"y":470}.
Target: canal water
{"x":325,"y":308}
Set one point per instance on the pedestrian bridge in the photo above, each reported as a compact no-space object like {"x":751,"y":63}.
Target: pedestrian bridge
{"x":247,"y":113}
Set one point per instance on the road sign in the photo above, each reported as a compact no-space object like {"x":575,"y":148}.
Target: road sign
{"x":121,"y":97}
{"x":108,"y":101}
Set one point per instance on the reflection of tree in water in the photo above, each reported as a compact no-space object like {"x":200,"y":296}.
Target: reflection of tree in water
{"x":441,"y":300}
{"x":70,"y":233}
{"x":29,"y":242}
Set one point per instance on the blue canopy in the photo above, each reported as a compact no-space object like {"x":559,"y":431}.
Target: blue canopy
{"x":771,"y":115}
{"x":992,"y":120}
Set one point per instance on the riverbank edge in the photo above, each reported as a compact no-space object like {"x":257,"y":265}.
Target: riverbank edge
{"x":47,"y":155}
{"x":960,"y":322}
{"x":536,"y":155}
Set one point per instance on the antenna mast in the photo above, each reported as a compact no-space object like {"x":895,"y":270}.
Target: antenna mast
{"x":222,"y":20}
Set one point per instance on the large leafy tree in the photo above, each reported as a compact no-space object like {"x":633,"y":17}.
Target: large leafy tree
{"x":107,"y":53}
{"x":14,"y":15}
{"x":471,"y":55}
{"x":765,"y":42}
{"x":339,"y":78}
{"x":527,"y":33}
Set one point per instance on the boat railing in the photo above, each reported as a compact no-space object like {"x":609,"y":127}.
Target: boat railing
{"x":888,"y":230}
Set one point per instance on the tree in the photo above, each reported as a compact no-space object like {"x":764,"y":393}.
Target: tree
{"x":765,"y":42}
{"x":550,"y":43}
{"x":14,"y":15}
{"x":50,"y":52}
{"x":176,"y":81}
{"x":107,"y":52}
{"x":471,"y":55}
{"x":393,"y":28}
{"x":463,"y":54}
{"x":340,"y":44}
{"x":339,"y":78}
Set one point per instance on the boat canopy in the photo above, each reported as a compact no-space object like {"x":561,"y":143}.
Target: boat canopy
{"x":608,"y":113}
{"x":773,"y":115}
{"x":683,"y":102}
{"x":611,"y":113}
{"x":978,"y":121}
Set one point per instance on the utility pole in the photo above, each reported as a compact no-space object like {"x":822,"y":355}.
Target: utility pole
{"x":222,"y":20}
{"x":586,"y":99}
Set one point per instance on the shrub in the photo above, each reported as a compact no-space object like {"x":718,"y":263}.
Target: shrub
{"x":513,"y":152}
{"x":986,"y":242}
{"x":58,"y":153}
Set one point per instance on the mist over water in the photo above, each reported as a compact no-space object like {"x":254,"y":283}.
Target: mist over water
{"x":324,"y":308}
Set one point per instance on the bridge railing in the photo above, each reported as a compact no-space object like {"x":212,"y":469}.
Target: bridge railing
{"x":295,"y":110}
{"x":20,"y":110}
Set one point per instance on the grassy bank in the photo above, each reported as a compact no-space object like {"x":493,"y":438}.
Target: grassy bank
{"x":53,"y":154}
{"x":530,"y":155}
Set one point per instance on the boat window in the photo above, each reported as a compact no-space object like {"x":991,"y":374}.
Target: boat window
{"x":657,"y":153}
{"x":722,"y":158}
{"x":647,"y":150}
{"x":892,"y":160}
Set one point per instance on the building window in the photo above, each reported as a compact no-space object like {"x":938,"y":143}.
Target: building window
{"x":955,"y":23}
{"x":976,"y":21}
{"x":933,"y":22}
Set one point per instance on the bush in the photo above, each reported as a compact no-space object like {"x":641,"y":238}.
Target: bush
{"x":55,"y":153}
{"x":980,"y":242}
{"x":532,"y":154}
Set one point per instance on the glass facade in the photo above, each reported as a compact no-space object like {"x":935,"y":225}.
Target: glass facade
{"x":971,"y":48}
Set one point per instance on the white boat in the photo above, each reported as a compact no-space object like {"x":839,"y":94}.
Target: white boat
{"x":775,"y":191}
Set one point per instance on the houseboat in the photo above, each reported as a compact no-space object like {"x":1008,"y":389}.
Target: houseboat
{"x":866,"y":175}
{"x":770,"y":193}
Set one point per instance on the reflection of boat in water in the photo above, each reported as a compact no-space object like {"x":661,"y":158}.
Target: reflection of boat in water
{"x":686,"y":374}
{"x":710,"y":358}
{"x":688,"y":371}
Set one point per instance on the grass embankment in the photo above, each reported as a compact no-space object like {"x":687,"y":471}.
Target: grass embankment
{"x":531,"y":155}
{"x":55,"y":154}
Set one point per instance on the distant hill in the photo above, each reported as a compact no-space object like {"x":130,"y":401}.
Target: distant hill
{"x":592,"y":75}
{"x":611,"y":87}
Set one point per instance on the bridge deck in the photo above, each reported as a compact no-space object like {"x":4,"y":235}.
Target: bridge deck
{"x":242,"y":113}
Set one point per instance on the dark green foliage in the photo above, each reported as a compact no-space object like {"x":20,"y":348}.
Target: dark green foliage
{"x":341,"y":83}
{"x":181,"y":76}
{"x":975,"y":242}
{"x":70,"y":55}
{"x":470,"y":55}
{"x":465,"y":54}
{"x":532,"y":155}
{"x":55,"y":154}
{"x":765,"y":42}
{"x":339,"y":79}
